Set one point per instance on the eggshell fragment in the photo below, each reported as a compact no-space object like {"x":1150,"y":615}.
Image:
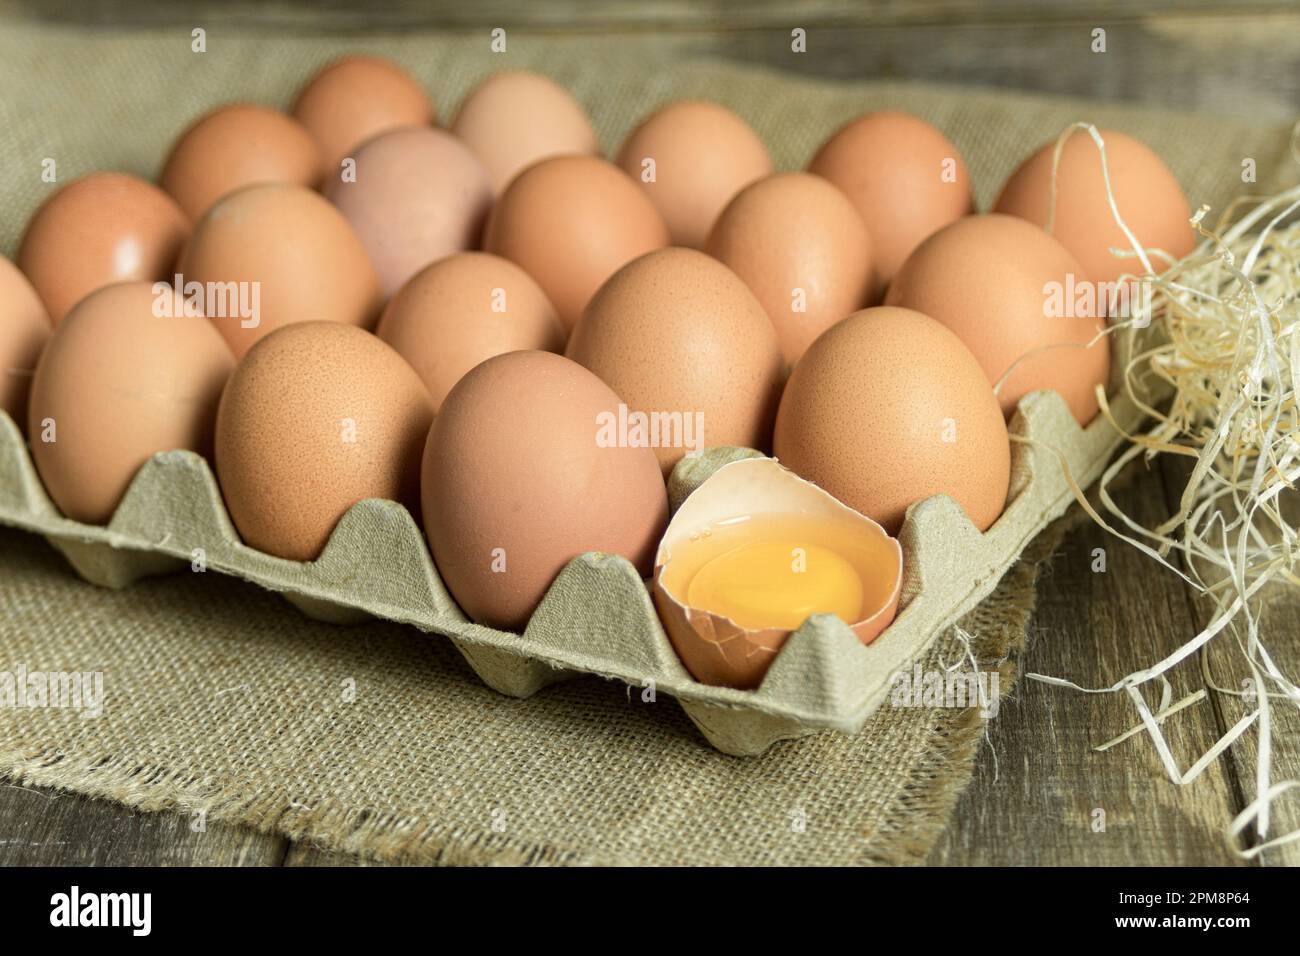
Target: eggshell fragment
{"x":235,"y":146}
{"x":354,"y":99}
{"x":514,"y":119}
{"x":863,"y":419}
{"x":714,"y":648}
{"x":419,"y":195}
{"x":516,"y":484}
{"x":127,"y":374}
{"x":1146,"y":192}
{"x":97,"y":230}
{"x":571,"y":222}
{"x":691,"y":158}
{"x":24,"y":329}
{"x":804,"y":251}
{"x":316,"y":417}
{"x":462,"y":310}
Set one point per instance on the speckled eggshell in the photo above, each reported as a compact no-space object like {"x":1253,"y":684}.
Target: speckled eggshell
{"x":676,"y":331}
{"x":419,"y":195}
{"x":571,"y":222}
{"x":795,"y":231}
{"x":354,"y":99}
{"x":121,"y":383}
{"x":515,"y":484}
{"x":986,"y":278}
{"x":514,"y":119}
{"x":316,"y":417}
{"x":892,"y":166}
{"x":1148,"y":196}
{"x":97,"y":230}
{"x":462,"y":310}
{"x":24,"y":330}
{"x":306,"y":260}
{"x":887,"y":408}
{"x":703,"y":155}
{"x":235,"y":146}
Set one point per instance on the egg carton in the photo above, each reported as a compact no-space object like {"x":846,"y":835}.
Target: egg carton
{"x":597,"y":617}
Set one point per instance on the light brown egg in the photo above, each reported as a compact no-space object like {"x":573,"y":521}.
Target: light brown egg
{"x":462,"y":310}
{"x":24,"y":329}
{"x":906,"y":178}
{"x":316,"y":417}
{"x":691,"y":158}
{"x":512,"y":120}
{"x":97,"y":230}
{"x":803,"y":250}
{"x":235,"y":146}
{"x":887,"y":408}
{"x":126,"y":375}
{"x":287,"y":250}
{"x":419,"y":195}
{"x":571,"y":222}
{"x":516,"y":483}
{"x":679,"y":337}
{"x":1148,"y":196}
{"x":354,"y":99}
{"x":1010,"y":293}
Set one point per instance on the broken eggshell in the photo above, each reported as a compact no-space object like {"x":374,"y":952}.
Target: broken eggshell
{"x":715,"y":649}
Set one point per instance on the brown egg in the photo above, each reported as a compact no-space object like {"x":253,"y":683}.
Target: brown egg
{"x":419,"y":195}
{"x":803,"y":250}
{"x":127,"y":374}
{"x":288,"y":252}
{"x":316,"y":417}
{"x":235,"y":146}
{"x":571,"y":222}
{"x":97,"y":230}
{"x":888,"y":407}
{"x":682,"y":341}
{"x":24,"y":329}
{"x":691,"y":158}
{"x":516,"y":483}
{"x":905,"y":177}
{"x":1010,"y":293}
{"x":354,"y":99}
{"x":512,"y":120}
{"x":462,"y":310}
{"x":1148,"y":196}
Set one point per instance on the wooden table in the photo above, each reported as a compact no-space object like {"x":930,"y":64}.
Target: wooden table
{"x":1039,"y":789}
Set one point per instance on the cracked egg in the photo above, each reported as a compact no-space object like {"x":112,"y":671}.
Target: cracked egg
{"x":752,"y":554}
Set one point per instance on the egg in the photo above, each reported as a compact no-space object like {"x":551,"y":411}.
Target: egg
{"x":24,"y":329}
{"x":516,"y":482}
{"x":235,"y":146}
{"x":751,"y":555}
{"x":889,"y":407}
{"x":286,"y":255}
{"x":419,"y":195}
{"x":681,"y":339}
{"x":316,"y":417}
{"x":571,"y":222}
{"x":462,"y":310}
{"x":1011,"y":293}
{"x":803,"y":250}
{"x":906,"y":178}
{"x":97,"y":230}
{"x":514,"y":119}
{"x":1146,"y":192}
{"x":354,"y":99}
{"x":128,"y":373}
{"x":691,"y":158}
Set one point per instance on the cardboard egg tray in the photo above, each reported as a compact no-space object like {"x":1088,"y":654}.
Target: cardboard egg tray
{"x":597,"y":618}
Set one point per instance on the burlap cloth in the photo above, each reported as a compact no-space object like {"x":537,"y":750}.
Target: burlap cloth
{"x":220,"y":697}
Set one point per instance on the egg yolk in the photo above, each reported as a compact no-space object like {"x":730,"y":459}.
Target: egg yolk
{"x":777,"y":583}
